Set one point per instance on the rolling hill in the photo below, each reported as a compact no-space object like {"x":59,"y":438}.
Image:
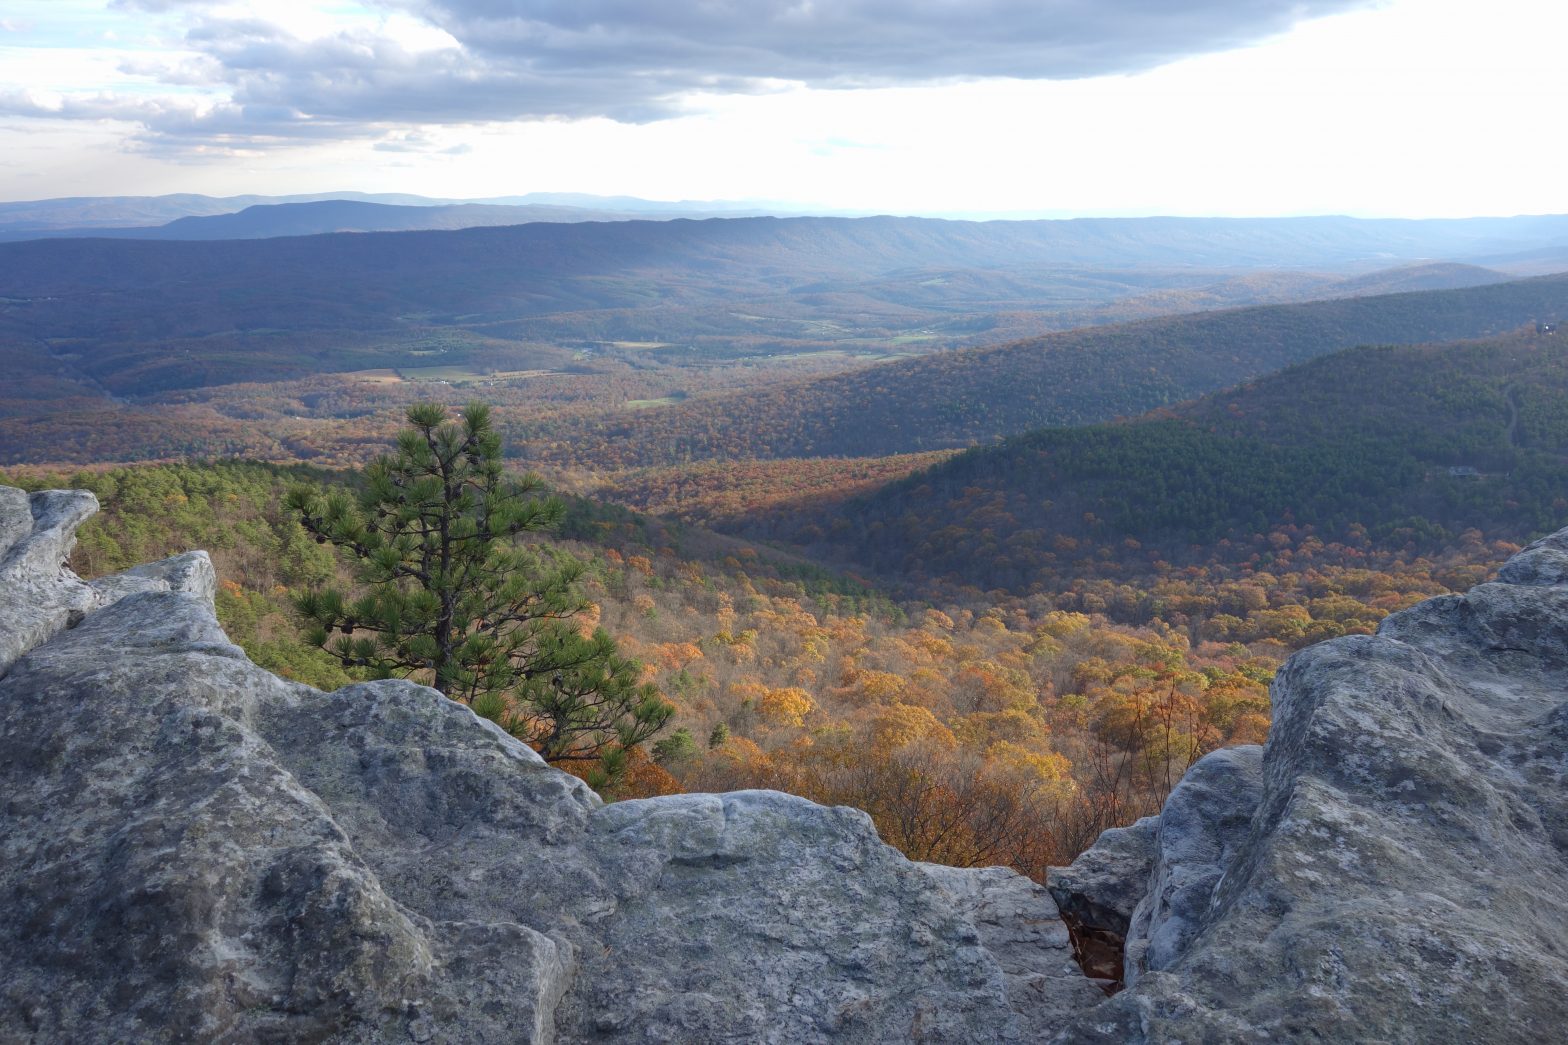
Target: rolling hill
{"x":320,"y":217}
{"x":956,"y":399}
{"x":150,"y":217}
{"x":1412,"y":445}
{"x":135,"y":315}
{"x":615,"y":343}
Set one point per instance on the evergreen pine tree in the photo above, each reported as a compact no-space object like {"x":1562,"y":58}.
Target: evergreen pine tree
{"x":450,"y":596}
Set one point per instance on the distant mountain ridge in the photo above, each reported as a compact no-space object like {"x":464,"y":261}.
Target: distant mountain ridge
{"x":129,"y":318}
{"x":72,"y":212}
{"x":178,"y":216}
{"x":678,"y":316}
{"x":1335,"y":242}
{"x":736,"y":247}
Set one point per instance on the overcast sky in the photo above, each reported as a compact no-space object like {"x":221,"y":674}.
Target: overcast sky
{"x":1052,"y":107}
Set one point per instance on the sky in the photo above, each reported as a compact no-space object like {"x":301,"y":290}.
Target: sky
{"x":1376,"y":108}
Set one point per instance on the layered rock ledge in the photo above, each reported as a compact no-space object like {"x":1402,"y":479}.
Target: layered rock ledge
{"x":192,"y":849}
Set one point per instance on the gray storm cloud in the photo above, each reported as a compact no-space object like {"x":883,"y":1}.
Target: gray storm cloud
{"x":850,"y":42}
{"x":634,"y":61}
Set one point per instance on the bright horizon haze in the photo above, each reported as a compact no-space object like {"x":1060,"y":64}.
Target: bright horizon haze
{"x":993,"y":108}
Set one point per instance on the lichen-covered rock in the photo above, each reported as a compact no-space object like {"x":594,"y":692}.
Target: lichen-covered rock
{"x":1020,"y":927}
{"x":40,"y":596}
{"x":191,"y":573}
{"x":1545,"y":562}
{"x":1098,"y":893}
{"x":192,"y":849}
{"x":1398,"y":873}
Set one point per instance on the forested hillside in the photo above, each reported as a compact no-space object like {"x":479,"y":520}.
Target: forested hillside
{"x":1079,"y":377}
{"x":1398,"y":448}
{"x":126,"y":312}
{"x":1007,"y":732}
{"x":637,"y":343}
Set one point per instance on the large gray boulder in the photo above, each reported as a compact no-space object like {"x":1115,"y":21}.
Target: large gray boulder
{"x":1392,"y":868}
{"x":1105,"y":884}
{"x":39,"y":595}
{"x":192,"y":849}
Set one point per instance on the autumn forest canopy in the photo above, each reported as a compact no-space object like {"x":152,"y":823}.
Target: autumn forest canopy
{"x":989,"y":529}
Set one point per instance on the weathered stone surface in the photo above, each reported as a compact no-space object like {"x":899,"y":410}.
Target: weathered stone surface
{"x":1199,"y":833}
{"x":1401,"y":874}
{"x":16,"y":518}
{"x":194,"y":849}
{"x":1103,"y":886}
{"x":1098,"y":893}
{"x":1544,"y":562}
{"x":39,"y":595}
{"x":1020,"y":926}
{"x":191,"y":572}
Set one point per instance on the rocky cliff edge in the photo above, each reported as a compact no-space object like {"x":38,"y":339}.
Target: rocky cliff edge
{"x":1389,"y":867}
{"x":192,"y":849}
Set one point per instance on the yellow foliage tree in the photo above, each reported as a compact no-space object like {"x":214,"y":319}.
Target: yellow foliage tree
{"x":899,"y":725}
{"x":786,"y":707}
{"x":868,"y":687}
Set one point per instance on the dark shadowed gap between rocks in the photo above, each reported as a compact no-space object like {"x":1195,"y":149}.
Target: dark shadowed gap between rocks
{"x":1097,"y":895}
{"x":1098,"y":951}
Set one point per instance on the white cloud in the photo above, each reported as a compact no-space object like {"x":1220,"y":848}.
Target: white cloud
{"x":296,"y":68}
{"x":1416,"y":107}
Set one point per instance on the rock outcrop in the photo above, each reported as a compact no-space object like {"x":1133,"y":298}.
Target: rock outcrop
{"x":1391,"y":866}
{"x":1105,"y":884}
{"x":192,"y":849}
{"x":40,"y":596}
